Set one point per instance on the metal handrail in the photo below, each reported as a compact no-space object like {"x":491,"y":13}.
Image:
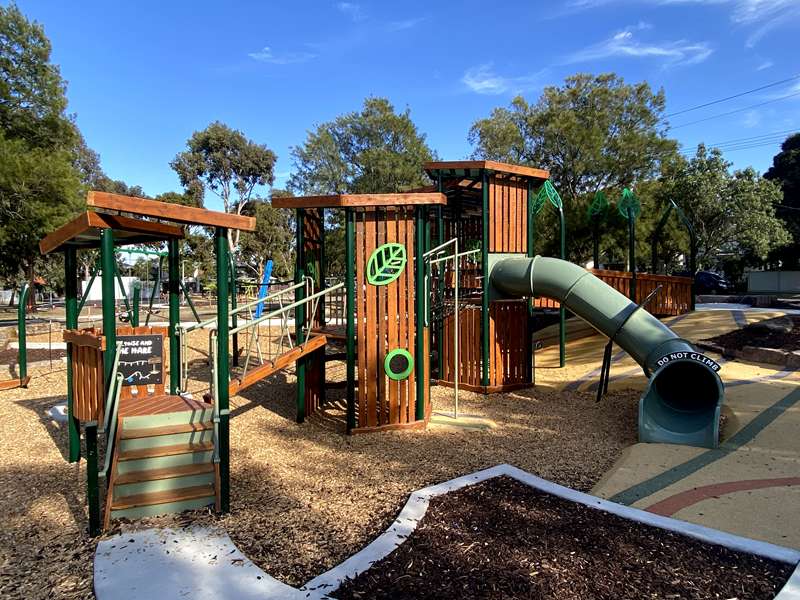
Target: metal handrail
{"x":275,"y":313}
{"x":266,"y":298}
{"x":111,"y":388}
{"x":214,"y":399}
{"x":112,"y":435}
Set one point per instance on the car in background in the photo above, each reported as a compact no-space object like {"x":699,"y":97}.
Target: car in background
{"x":708,"y":282}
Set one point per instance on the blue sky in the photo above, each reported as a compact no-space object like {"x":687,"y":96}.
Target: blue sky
{"x":142,"y":76}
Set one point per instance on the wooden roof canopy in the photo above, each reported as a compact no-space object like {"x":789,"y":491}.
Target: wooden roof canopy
{"x":472,"y":168}
{"x":84,"y":231}
{"x":360,"y":200}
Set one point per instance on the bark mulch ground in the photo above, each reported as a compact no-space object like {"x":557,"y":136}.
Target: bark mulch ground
{"x":503,"y":539}
{"x":303,"y":497}
{"x":762,"y":335}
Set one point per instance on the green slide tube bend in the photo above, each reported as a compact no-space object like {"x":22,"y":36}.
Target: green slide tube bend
{"x":683,"y":398}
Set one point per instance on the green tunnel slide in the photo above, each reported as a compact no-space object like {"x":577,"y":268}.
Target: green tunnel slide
{"x":681,"y":404}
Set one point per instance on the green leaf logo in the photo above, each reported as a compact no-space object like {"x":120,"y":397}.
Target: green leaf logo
{"x":386,"y":264}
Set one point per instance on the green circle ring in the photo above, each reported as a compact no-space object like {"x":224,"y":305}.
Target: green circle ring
{"x":387,"y":364}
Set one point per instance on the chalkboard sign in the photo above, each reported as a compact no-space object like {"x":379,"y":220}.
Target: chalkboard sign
{"x":141,"y":359}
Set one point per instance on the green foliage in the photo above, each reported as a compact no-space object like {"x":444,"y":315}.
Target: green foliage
{"x":733,"y":214}
{"x":785,"y":171}
{"x":273,"y":239}
{"x":32,"y":92}
{"x":373,"y":151}
{"x":386,"y":264}
{"x":39,"y":190}
{"x":376,"y":150}
{"x":224,"y":161}
{"x":593,"y":133}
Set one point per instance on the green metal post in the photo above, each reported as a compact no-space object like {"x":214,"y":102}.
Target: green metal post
{"x":122,"y":290}
{"x":223,"y":366}
{"x":440,"y":286}
{"x":530,"y":251}
{"x":235,"y":316}
{"x":22,"y":353}
{"x":596,"y":242}
{"x":136,"y":301}
{"x":485,"y":281}
{"x":562,"y":312}
{"x":154,"y":291}
{"x":107,"y":280}
{"x":71,"y":306}
{"x":632,"y":252}
{"x":107,"y":266}
{"x":92,"y":487}
{"x":85,"y":295}
{"x":322,"y":300}
{"x":173,"y":260}
{"x":350,"y":287}
{"x":419,"y":296}
{"x":300,"y":316}
{"x":189,"y":301}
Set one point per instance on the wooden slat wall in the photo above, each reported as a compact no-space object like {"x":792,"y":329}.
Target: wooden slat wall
{"x":674,"y":297}
{"x":87,"y":382}
{"x":507,"y":332}
{"x":133,"y":391}
{"x":384,"y":320}
{"x":312,"y":247}
{"x":508,"y":223}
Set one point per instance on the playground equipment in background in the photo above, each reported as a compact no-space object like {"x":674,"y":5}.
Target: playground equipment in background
{"x":684,"y":395}
{"x":22,"y":350}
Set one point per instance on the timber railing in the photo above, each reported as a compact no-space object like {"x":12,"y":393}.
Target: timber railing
{"x":674,"y":297}
{"x":93,"y":400}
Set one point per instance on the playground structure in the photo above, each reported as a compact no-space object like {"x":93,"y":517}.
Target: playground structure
{"x":440,"y":284}
{"x":22,"y":352}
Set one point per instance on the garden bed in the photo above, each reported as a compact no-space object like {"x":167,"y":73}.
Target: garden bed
{"x":773,"y":341}
{"x":504,"y":539}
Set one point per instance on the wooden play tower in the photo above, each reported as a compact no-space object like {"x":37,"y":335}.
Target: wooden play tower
{"x":488,"y":207}
{"x":386,"y":337}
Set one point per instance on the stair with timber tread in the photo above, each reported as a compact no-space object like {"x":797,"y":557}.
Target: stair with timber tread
{"x":163,"y":464}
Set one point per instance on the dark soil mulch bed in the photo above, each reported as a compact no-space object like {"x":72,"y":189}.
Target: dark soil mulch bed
{"x":761,"y":336}
{"x":503,"y":539}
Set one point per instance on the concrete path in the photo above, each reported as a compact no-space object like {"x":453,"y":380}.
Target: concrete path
{"x":750,"y":485}
{"x":201,"y":564}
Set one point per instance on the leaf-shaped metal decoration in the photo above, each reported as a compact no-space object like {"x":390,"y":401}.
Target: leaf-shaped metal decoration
{"x":629,"y":201}
{"x":386,"y":264}
{"x":599,"y":206}
{"x":547,"y":191}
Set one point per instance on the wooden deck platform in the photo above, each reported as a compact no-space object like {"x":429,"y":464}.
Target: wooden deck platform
{"x":157,"y":405}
